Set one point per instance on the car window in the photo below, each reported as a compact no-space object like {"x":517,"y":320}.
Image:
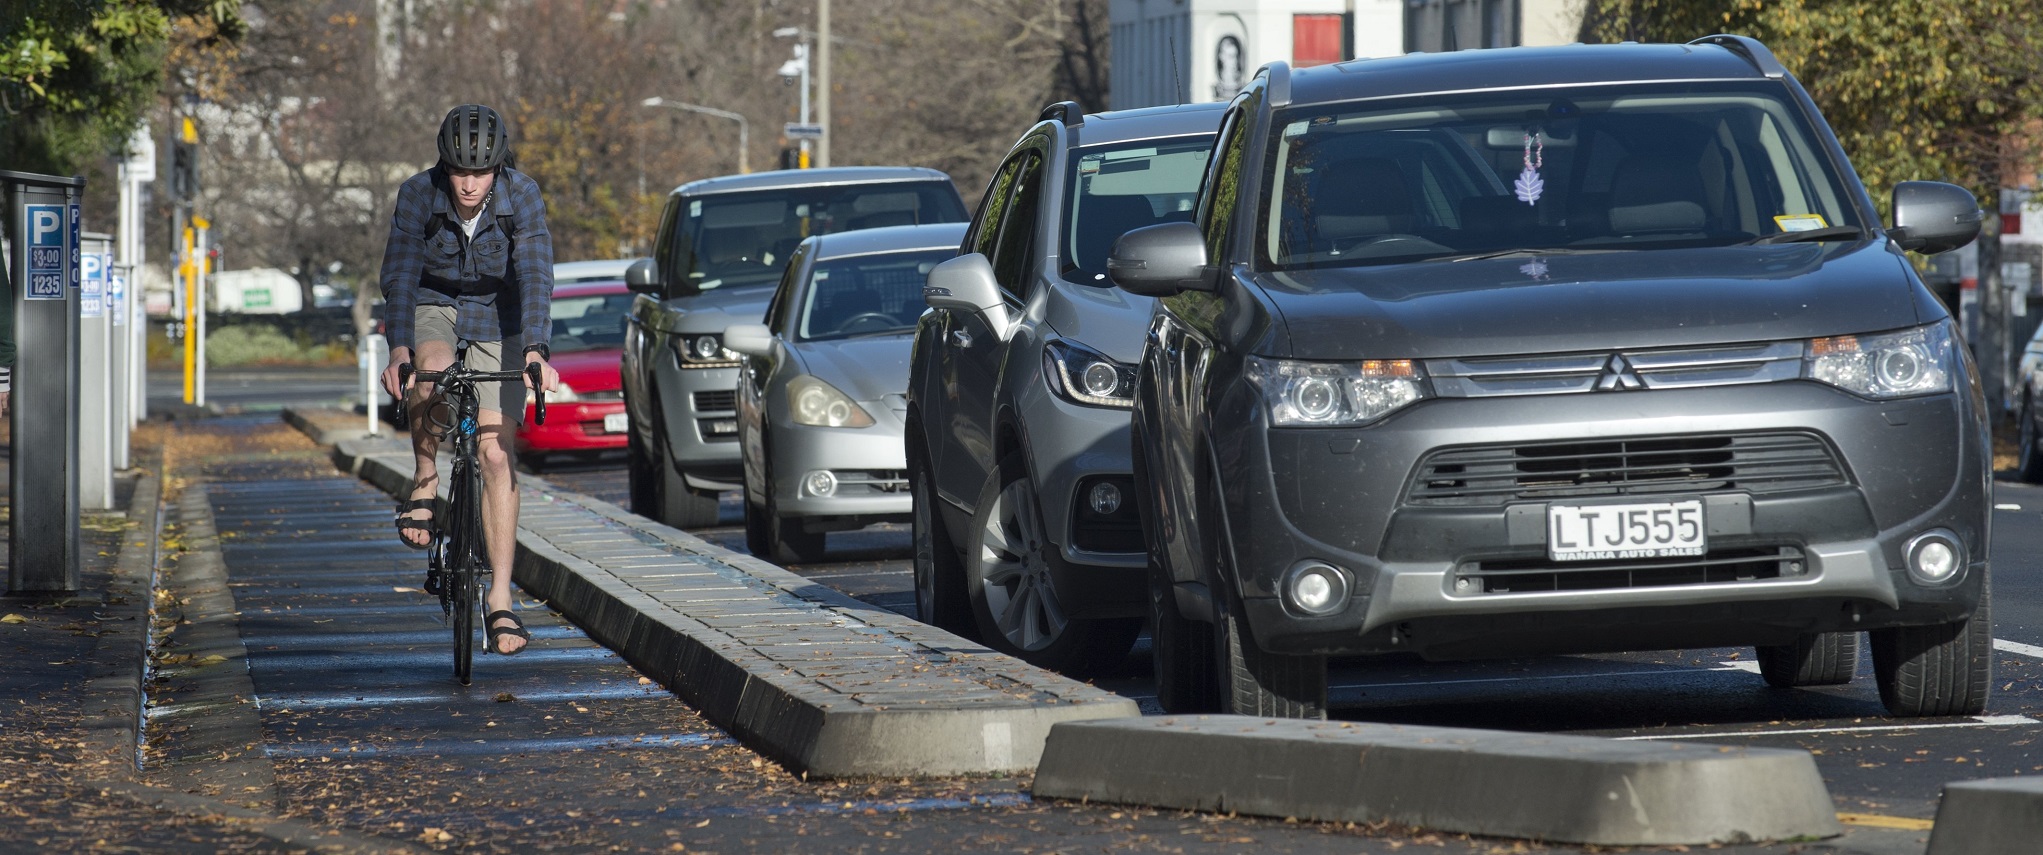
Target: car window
{"x":734,"y":239}
{"x":1639,"y":166}
{"x":1112,"y":189}
{"x":589,"y":322}
{"x":993,"y":208}
{"x":866,"y":295}
{"x":663,"y":244}
{"x":1016,"y":247}
{"x":776,"y":308}
{"x":1223,"y":184}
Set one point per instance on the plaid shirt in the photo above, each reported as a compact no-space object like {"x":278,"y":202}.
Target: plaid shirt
{"x":498,"y":294}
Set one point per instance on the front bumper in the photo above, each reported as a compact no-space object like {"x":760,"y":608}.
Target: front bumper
{"x":1101,"y":558}
{"x":571,"y":427}
{"x":699,"y":411}
{"x":869,"y":466}
{"x":1424,"y":564}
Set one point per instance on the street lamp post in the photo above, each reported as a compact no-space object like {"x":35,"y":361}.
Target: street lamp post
{"x":744,"y":130}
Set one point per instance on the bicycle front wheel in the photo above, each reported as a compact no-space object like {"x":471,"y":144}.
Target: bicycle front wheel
{"x":467,"y":543}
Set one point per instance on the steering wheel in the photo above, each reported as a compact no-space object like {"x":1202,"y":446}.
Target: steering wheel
{"x":884,"y":320}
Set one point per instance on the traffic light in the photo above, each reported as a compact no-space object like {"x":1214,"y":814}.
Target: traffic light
{"x":184,"y":163}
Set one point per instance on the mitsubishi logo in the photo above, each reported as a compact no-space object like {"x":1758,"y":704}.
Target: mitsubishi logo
{"x":1619,"y":376}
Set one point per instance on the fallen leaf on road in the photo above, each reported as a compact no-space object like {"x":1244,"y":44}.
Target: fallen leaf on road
{"x":13,"y":619}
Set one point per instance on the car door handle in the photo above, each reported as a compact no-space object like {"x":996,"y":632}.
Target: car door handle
{"x":961,"y":338}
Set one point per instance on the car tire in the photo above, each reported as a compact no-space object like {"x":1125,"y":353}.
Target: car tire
{"x":787,"y":542}
{"x":757,"y":540}
{"x":1813,"y":659}
{"x":940,"y":597}
{"x":639,"y":472}
{"x":1187,"y":678}
{"x":680,"y":506}
{"x":1945,"y":669}
{"x":1014,"y":600}
{"x":2029,"y":459}
{"x":1253,"y":681}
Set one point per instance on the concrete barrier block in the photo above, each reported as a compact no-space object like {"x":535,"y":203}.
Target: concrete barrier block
{"x":1995,"y":816}
{"x":1546,"y":787}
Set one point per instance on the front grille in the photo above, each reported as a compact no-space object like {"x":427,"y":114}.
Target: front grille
{"x":1495,"y":475}
{"x":870,"y":482}
{"x":1718,"y":567}
{"x":716,"y":401}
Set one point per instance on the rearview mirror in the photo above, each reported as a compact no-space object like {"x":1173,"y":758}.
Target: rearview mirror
{"x":643,"y":276}
{"x":749,"y":339}
{"x":1932,"y":217}
{"x":966,"y":284}
{"x":1161,"y":260}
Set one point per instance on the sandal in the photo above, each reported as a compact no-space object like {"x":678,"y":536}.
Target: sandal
{"x":430,"y":525}
{"x":516,"y":628}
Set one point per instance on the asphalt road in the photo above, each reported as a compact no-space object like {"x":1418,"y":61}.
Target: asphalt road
{"x":1874,"y":765}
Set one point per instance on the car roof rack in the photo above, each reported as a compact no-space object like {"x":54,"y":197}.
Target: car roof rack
{"x":1066,"y":112}
{"x":1279,"y":90}
{"x":1749,"y":48}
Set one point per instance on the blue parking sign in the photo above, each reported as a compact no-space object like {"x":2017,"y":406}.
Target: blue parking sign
{"x":92,"y":285}
{"x":48,"y":268}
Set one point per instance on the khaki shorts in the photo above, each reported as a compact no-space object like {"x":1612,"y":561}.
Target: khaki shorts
{"x":436,"y":323}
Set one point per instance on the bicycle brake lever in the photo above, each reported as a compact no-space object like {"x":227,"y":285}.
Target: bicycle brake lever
{"x":538,"y":393}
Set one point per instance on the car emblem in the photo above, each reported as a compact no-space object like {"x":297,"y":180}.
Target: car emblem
{"x":1619,"y":376}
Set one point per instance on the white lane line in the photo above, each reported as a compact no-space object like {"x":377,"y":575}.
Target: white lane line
{"x":2018,"y":647}
{"x":2007,"y":507}
{"x":1977,"y":721}
{"x":1671,"y":670}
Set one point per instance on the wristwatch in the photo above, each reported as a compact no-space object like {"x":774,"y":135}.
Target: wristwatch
{"x":545,"y":353}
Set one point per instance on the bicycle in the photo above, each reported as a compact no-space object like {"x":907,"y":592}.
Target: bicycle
{"x":458,"y":552}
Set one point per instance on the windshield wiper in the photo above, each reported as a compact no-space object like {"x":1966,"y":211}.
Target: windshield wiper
{"x":1505,"y":253}
{"x":1825,"y":233}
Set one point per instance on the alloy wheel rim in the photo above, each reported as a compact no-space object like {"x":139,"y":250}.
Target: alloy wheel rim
{"x":1014,"y":574}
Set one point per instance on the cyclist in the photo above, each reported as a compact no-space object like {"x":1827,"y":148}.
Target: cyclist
{"x":469,"y":261}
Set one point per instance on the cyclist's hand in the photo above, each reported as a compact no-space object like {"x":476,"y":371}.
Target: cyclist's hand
{"x":398,"y":356}
{"x":550,"y":377}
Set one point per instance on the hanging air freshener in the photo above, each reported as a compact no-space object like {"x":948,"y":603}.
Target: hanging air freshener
{"x":1529,"y":184}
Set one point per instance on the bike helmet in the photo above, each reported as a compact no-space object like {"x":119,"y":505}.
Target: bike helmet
{"x":474,"y":137}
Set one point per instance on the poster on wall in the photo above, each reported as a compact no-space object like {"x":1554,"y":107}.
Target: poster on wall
{"x":1227,"y":66}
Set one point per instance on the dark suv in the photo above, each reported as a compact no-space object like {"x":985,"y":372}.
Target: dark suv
{"x":717,"y":257}
{"x":1554,"y":350}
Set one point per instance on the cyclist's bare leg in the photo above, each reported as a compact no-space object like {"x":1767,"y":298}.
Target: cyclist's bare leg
{"x":499,"y":515}
{"x":425,"y":482}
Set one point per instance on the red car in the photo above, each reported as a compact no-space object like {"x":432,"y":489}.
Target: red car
{"x":586,"y":415}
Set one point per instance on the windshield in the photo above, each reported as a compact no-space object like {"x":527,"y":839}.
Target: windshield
{"x":735,"y":239}
{"x":867,"y":295}
{"x":1115,"y":189}
{"x":592,"y":322}
{"x":1609,"y":168}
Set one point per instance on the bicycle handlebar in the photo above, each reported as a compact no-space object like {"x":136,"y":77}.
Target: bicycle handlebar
{"x":406,"y":373}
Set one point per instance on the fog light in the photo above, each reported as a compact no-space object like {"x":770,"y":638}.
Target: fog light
{"x":1105,"y":498}
{"x":1316,"y":588}
{"x":820,"y":483}
{"x":1935,"y":558}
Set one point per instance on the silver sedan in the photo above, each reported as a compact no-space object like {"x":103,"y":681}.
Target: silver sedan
{"x":822,"y":394}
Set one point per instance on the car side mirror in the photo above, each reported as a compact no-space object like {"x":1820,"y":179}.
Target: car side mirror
{"x":643,"y":277}
{"x":966,"y":284}
{"x":1932,"y":217}
{"x":749,"y":339}
{"x":1161,"y":260}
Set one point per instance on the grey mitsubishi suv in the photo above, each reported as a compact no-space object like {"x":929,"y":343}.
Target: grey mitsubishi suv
{"x":1020,"y":383}
{"x":720,"y":249}
{"x":1554,"y":350}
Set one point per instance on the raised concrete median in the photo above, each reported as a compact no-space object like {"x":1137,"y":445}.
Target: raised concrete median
{"x":1995,"y":816}
{"x":1559,"y":788}
{"x":825,"y":684}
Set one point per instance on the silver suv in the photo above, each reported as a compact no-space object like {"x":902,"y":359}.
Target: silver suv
{"x":719,"y":252}
{"x":1020,"y":385}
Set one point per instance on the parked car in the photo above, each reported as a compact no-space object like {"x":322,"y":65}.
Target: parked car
{"x":2026,"y":400}
{"x":822,"y":392}
{"x":585,"y":416}
{"x":721,"y":246}
{"x":593,"y":270}
{"x":1020,"y":385}
{"x":1554,"y":350}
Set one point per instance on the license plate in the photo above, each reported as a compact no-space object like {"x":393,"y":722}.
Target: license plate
{"x":1617,"y":532}
{"x":616,"y":422}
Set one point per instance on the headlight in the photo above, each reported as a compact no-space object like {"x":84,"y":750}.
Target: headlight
{"x":1336,"y":393}
{"x":700,"y":351}
{"x":1082,"y":375}
{"x":819,"y":404}
{"x":1888,"y":365}
{"x":564,"y":394}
